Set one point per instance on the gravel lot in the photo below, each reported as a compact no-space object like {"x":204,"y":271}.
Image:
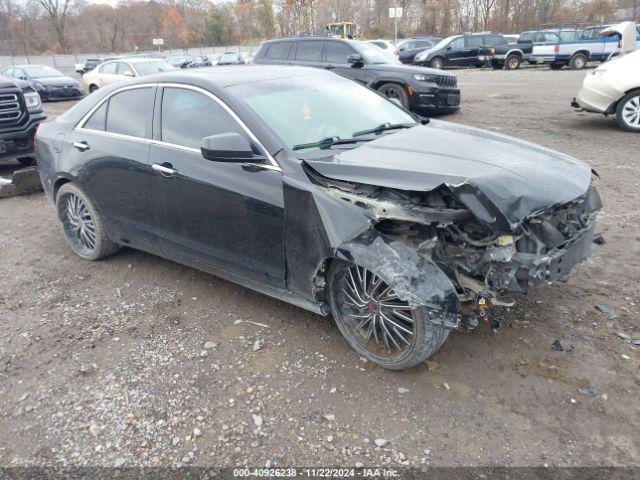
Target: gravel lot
{"x":136,"y":360}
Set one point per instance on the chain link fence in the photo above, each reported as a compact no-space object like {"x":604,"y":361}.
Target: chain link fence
{"x":66,"y":63}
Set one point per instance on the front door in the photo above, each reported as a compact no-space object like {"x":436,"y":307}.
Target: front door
{"x":336,"y":59}
{"x":454,"y":52}
{"x":218,"y":215}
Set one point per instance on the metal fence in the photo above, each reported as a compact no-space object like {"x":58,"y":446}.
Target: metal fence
{"x":66,"y":63}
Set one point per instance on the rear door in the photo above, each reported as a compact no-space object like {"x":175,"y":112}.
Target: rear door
{"x":308,"y":53}
{"x":108,"y":74}
{"x":471,"y":50}
{"x":110,"y":150}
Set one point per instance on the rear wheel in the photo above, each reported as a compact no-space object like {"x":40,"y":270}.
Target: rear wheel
{"x":628,"y":112}
{"x":578,"y":61}
{"x":82,"y":225}
{"x":512,"y":62}
{"x":437,"y":63}
{"x":93,"y":88}
{"x":395,"y":91}
{"x":378,"y":324}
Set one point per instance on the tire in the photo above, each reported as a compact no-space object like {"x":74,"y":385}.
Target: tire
{"x":368,"y":337}
{"x":512,"y":62}
{"x":628,"y":112}
{"x":395,"y":91}
{"x":437,"y":62}
{"x":26,"y":161}
{"x":578,"y":61}
{"x":82,"y":224}
{"x":555,"y":66}
{"x":93,"y":88}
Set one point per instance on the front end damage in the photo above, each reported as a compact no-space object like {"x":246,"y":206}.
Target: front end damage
{"x":452,"y":250}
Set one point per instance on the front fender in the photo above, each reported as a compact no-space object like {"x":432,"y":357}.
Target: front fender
{"x":415,"y":278}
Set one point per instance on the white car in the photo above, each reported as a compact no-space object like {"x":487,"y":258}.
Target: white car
{"x":387,"y":46}
{"x":118,"y":70}
{"x":614,"y":88}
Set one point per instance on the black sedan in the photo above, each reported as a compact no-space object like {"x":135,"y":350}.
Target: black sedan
{"x":316,"y":190}
{"x":47,"y":81}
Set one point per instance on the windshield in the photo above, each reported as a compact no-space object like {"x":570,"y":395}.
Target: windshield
{"x":308,"y":109}
{"x":229,"y":56}
{"x":147,"y":68}
{"x":443,"y":43}
{"x":42,"y":72}
{"x":375,"y":55}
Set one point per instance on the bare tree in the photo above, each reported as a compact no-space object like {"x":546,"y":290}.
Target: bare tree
{"x":57,"y":12}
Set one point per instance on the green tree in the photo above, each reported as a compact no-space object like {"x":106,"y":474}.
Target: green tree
{"x":217,"y":28}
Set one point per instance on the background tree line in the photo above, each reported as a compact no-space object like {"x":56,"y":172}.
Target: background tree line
{"x":30,"y":27}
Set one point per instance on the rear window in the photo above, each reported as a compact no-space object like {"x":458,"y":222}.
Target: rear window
{"x":128,"y":112}
{"x":309,"y":51}
{"x":278,"y":51}
{"x":98,"y":120}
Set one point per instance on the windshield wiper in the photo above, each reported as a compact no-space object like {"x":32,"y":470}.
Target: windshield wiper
{"x":326,"y":143}
{"x":383,"y":127}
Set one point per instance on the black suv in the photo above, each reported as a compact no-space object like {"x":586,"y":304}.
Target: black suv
{"x":416,"y":88}
{"x":20,"y":114}
{"x":411,"y":47}
{"x":459,"y":50}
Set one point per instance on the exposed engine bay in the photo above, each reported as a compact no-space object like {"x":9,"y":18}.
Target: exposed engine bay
{"x":484,"y":260}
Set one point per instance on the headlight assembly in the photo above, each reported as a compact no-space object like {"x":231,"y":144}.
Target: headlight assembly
{"x":32,"y":99}
{"x":421,"y":77}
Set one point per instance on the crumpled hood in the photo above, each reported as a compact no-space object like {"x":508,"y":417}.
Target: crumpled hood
{"x":507,"y":177}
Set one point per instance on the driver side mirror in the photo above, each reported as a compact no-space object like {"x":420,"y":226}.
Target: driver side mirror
{"x":226,"y":147}
{"x":354,"y":59}
{"x":449,"y":47}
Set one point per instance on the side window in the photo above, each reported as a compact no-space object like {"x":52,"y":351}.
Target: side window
{"x":309,"y":51}
{"x":550,"y":37}
{"x":109,"y":68}
{"x":188,"y":117}
{"x":124,"y":68}
{"x":129,"y":111}
{"x":410,"y":45}
{"x":526,"y":37}
{"x":278,"y":51}
{"x":474,"y":42}
{"x":457,"y":44}
{"x":98,"y":120}
{"x":423,"y":44}
{"x":496,"y":40}
{"x":8,"y":72}
{"x":337,"y":52}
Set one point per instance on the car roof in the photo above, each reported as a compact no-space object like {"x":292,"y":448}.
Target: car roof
{"x":26,"y":65}
{"x":235,"y":75}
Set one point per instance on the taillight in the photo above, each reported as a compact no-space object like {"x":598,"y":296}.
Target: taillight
{"x":397,"y":53}
{"x":556,"y":48}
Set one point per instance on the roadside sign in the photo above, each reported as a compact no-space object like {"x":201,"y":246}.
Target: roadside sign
{"x":158,"y":41}
{"x":395,"y":12}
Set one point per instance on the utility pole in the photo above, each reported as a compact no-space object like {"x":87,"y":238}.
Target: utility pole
{"x":396,"y":29}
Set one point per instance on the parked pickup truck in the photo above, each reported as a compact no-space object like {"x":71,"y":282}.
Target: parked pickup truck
{"x":20,"y":114}
{"x":507,"y":55}
{"x":577,"y":53}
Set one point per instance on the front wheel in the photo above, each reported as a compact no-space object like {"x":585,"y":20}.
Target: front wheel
{"x":394,"y":91}
{"x":82,"y":224}
{"x":437,"y":63}
{"x":628,"y":112}
{"x":377,"y":323}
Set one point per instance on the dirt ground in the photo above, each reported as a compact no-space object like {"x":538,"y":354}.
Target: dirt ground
{"x":104,"y":363}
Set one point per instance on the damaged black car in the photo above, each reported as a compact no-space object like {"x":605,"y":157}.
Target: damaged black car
{"x":316,"y":190}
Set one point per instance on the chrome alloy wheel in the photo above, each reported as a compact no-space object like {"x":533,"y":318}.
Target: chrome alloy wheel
{"x":78,"y":224}
{"x":631,"y":112}
{"x":382,"y":323}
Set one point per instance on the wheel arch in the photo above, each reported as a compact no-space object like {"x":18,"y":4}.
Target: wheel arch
{"x":515,"y":51}
{"x":59,"y":182}
{"x":586,"y":53}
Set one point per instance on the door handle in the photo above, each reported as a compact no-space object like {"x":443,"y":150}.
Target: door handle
{"x":82,"y":146}
{"x":165,"y":168}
